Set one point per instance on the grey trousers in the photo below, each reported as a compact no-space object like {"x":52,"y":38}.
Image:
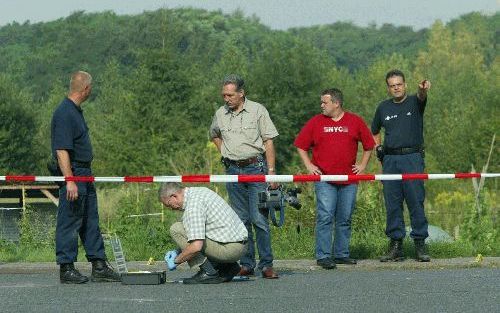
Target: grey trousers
{"x":219,"y":252}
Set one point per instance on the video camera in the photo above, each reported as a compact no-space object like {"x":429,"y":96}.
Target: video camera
{"x":275,"y":199}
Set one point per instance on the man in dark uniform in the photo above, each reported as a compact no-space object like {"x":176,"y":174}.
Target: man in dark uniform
{"x":402,"y":152}
{"x":77,"y":213}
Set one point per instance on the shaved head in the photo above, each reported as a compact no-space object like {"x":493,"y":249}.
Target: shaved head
{"x":79,"y":81}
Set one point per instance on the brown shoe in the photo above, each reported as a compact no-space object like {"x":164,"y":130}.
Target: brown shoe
{"x":245,"y":271}
{"x":269,"y":273}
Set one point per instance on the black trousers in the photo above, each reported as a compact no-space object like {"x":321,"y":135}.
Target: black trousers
{"x":78,"y":218}
{"x":410,"y":191}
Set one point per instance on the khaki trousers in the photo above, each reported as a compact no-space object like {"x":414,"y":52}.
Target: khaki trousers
{"x":217,"y":251}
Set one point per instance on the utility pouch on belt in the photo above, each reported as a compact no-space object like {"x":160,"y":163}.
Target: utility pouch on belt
{"x":380,"y":153}
{"x":225,"y":162}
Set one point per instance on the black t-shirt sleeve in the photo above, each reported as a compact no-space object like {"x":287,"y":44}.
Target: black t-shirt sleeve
{"x":63,"y":132}
{"x":421,"y":104}
{"x":376,"y":123}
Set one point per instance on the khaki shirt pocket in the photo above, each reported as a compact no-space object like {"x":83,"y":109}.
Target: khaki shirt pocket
{"x":250,"y":130}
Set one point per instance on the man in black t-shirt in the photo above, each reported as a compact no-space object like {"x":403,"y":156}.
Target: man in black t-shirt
{"x":77,"y":214}
{"x":402,"y":152}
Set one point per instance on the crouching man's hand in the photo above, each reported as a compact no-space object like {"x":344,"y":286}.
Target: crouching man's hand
{"x":170,"y":259}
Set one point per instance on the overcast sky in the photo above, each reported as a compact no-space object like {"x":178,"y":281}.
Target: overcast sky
{"x":278,"y":14}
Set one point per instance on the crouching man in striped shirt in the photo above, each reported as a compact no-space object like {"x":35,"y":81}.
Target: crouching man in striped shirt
{"x":210,"y":235}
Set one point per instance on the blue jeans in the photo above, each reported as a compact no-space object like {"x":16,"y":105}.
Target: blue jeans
{"x":335,"y":203}
{"x":243,"y":198}
{"x":78,"y":218}
{"x":411,"y":191}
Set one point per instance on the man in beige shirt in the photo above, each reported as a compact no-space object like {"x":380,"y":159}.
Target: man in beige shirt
{"x":243,"y":132}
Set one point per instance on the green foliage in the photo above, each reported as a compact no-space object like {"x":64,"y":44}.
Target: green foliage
{"x":141,"y":236}
{"x":369,"y":217}
{"x":356,"y":48}
{"x":480,"y":228}
{"x":460,"y":108}
{"x":157,"y":80}
{"x":157,"y":85}
{"x":368,"y":224}
{"x":288,"y":243}
{"x":35,"y":232}
{"x":454,"y":249}
{"x":18,"y":151}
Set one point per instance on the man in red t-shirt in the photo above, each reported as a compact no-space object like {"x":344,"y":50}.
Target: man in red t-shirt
{"x":334,"y":136}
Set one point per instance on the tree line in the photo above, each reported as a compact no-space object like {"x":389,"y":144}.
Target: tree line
{"x":157,"y":84}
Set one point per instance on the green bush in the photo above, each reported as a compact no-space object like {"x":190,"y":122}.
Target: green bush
{"x":35,"y":230}
{"x":479,"y":227}
{"x":142,"y":237}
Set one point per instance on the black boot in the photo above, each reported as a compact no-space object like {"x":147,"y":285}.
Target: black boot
{"x":206,"y":275}
{"x":421,"y":250}
{"x":227,"y":271}
{"x":395,"y":252}
{"x":69,"y":275}
{"x":101,"y":272}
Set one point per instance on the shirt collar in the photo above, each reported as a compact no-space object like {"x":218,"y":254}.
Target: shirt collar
{"x":76,"y":106}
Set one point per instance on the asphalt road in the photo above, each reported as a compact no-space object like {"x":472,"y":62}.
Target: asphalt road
{"x":386,"y":290}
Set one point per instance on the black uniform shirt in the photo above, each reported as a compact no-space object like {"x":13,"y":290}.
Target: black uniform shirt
{"x":403,"y":122}
{"x":69,"y":131}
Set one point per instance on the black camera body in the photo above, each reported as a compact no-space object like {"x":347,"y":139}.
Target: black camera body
{"x":292,"y":197}
{"x":276,"y":198}
{"x":272,"y":200}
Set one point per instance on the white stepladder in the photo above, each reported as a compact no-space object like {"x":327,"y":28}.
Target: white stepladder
{"x":132,"y":278}
{"x":116,"y":244}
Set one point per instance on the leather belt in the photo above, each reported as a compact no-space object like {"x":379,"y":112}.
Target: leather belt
{"x":243,"y":242}
{"x":244,"y":162}
{"x":399,"y":151}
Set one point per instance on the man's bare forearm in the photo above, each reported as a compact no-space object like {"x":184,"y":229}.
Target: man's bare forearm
{"x":270,"y":155}
{"x":64,"y":162}
{"x":218,"y":143}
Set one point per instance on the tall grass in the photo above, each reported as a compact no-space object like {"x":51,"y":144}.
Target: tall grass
{"x":450,"y":206}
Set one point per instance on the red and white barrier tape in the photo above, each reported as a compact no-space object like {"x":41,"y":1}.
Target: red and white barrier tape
{"x":243,"y":178}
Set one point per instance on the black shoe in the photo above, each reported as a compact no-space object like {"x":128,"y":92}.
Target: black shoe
{"x":69,"y":275}
{"x":395,"y":252}
{"x":421,"y":251}
{"x":228,"y":270}
{"x":102,"y":272}
{"x":326,"y":263}
{"x":203,"y":278}
{"x":346,"y":260}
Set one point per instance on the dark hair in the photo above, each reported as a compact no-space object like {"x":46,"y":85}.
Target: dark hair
{"x":335,"y":93}
{"x":235,"y":80}
{"x":393,"y":73}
